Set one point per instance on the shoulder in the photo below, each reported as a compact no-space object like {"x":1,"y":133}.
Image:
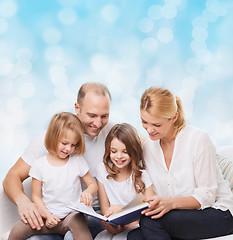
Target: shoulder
{"x":104,"y":132}
{"x":194,"y":134}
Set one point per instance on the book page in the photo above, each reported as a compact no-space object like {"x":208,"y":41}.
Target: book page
{"x":81,"y":207}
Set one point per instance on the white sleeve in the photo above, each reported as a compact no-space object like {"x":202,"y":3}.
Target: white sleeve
{"x":146,"y":179}
{"x":101,"y":173}
{"x":205,"y":172}
{"x":35,"y":150}
{"x":35,"y":170}
{"x":83,"y":167}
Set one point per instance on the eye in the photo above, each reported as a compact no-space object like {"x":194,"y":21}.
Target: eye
{"x":157,"y":125}
{"x":113,"y":151}
{"x":64,"y":143}
{"x":74,"y":145}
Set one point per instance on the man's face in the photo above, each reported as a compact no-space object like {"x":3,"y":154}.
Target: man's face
{"x":93,"y":113}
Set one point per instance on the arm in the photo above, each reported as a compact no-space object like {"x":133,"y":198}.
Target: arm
{"x":104,"y":207}
{"x":87,"y":195}
{"x":13,"y":187}
{"x":161,"y":205}
{"x":51,"y":219}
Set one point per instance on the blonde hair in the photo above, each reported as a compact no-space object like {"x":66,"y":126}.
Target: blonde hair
{"x":127,"y":134}
{"x":58,"y":127}
{"x":97,"y":88}
{"x":160,"y":102}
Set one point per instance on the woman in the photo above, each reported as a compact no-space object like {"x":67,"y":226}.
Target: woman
{"x":192,"y":200}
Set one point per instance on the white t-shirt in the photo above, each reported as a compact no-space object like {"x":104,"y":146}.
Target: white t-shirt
{"x":61,"y":185}
{"x":120,"y":192}
{"x":193,"y":170}
{"x":93,"y":155}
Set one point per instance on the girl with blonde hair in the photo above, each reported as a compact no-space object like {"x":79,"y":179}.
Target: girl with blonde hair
{"x":56,"y":181}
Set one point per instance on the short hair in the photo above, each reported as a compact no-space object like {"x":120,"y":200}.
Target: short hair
{"x":97,"y":88}
{"x":58,"y":127}
{"x":128,"y":135}
{"x":160,"y":102}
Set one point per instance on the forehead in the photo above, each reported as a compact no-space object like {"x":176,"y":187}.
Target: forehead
{"x":116,"y":143}
{"x":95,"y":102}
{"x":150,"y":118}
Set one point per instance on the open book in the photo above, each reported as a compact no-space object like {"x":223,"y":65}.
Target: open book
{"x":129,"y":213}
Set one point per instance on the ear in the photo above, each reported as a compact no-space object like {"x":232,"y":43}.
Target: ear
{"x":77,"y":108}
{"x":175,"y":117}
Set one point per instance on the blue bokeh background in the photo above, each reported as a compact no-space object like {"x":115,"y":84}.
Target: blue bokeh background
{"x":48,"y":49}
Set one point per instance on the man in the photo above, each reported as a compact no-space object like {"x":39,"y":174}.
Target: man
{"x":92,"y":108}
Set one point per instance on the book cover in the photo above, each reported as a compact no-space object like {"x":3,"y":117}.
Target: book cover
{"x":129,"y":213}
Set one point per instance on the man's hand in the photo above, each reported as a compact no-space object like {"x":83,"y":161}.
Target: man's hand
{"x":30,"y":214}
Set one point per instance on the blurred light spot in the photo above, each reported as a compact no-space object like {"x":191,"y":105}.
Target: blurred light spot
{"x":154,"y":12}
{"x":52,"y":36}
{"x":169,"y":11}
{"x":24,"y":53}
{"x":165,"y":35}
{"x":200,"y":33}
{"x":187,"y":95}
{"x":145,"y":25}
{"x":149,"y":45}
{"x":200,"y":22}
{"x":68,"y":3}
{"x":204,"y":56}
{"x":6,"y":87}
{"x":215,"y":7}
{"x":100,"y":62}
{"x":54,"y":69}
{"x":209,"y":16}
{"x":54,"y":53}
{"x":8,"y":8}
{"x":192,"y":65}
{"x":110,"y":13}
{"x":26,"y":90}
{"x":67,"y":16}
{"x":14,"y":104}
{"x":21,"y":117}
{"x":6,"y":66}
{"x":23,"y":66}
{"x":173,"y":2}
{"x":197,"y":45}
{"x":3,"y":25}
{"x":58,"y":79}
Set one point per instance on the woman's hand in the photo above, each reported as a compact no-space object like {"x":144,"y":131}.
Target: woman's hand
{"x":158,"y":206}
{"x":86,"y":198}
{"x":52,"y":220}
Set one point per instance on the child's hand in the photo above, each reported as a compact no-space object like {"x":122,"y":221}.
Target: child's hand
{"x":52,"y":220}
{"x":86,"y":198}
{"x":113,"y":209}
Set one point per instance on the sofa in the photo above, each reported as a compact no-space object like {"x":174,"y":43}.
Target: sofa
{"x":9,"y":214}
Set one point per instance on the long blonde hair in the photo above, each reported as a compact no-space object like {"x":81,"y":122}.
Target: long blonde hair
{"x":160,"y":102}
{"x":127,"y":134}
{"x":58,"y":127}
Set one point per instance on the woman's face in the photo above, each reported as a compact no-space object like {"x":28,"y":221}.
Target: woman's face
{"x":157,"y":128}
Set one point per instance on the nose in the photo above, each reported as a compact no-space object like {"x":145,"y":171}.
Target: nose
{"x":118,"y":155}
{"x":68,"y":147}
{"x":150,"y":130}
{"x":98,"y":122}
